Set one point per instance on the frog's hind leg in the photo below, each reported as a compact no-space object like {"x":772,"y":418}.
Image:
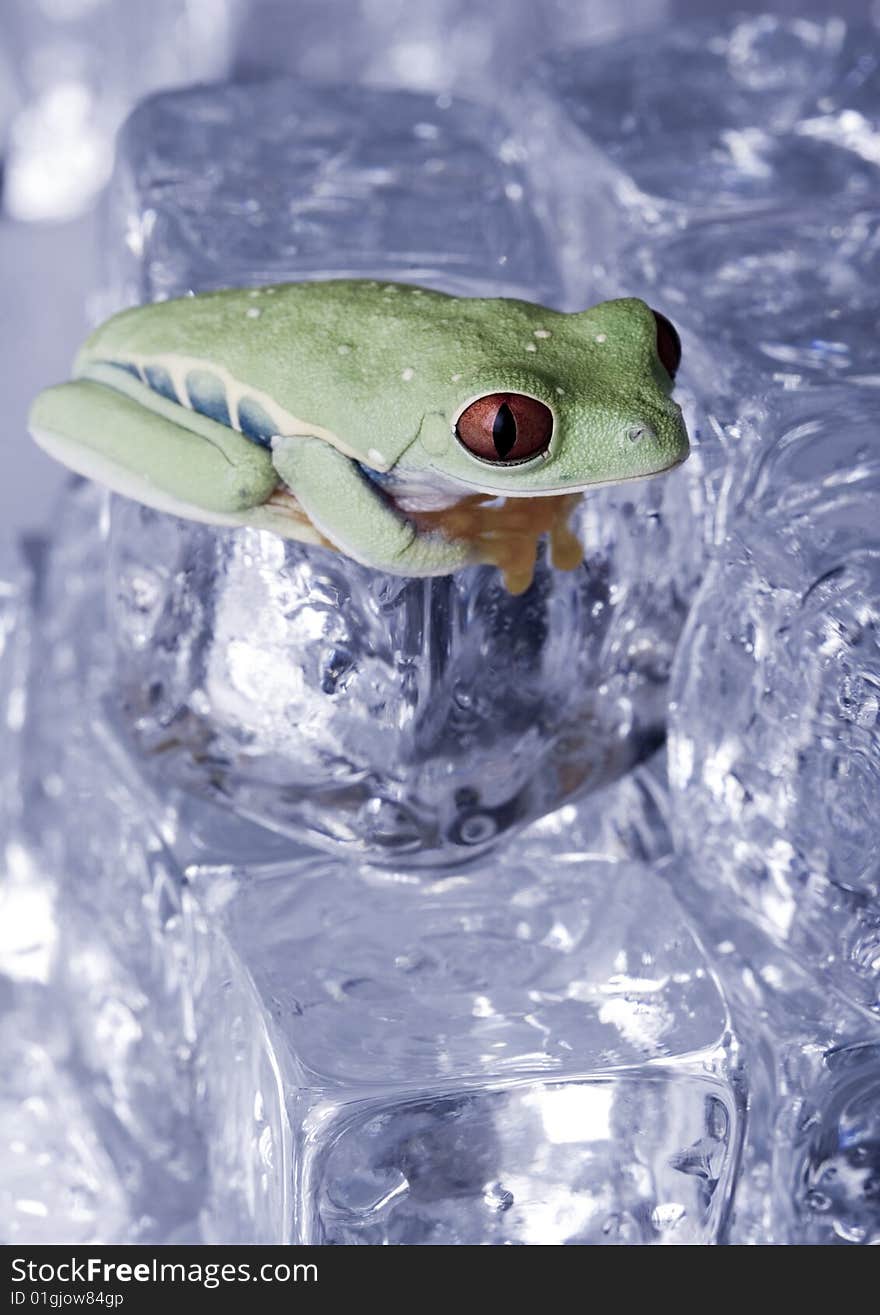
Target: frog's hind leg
{"x":356,"y":517}
{"x":202,"y":471}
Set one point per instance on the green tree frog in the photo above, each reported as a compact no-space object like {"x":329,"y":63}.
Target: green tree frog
{"x":396,"y":424}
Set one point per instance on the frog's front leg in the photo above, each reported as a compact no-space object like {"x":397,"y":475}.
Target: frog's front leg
{"x":355,"y":515}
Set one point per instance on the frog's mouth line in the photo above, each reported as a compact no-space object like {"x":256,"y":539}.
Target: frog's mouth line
{"x":561,"y":490}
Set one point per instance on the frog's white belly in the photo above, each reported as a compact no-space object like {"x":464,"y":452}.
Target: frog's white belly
{"x":418,"y":490}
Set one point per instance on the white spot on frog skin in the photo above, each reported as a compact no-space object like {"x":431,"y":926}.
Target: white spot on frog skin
{"x":560,"y":391}
{"x":253,"y":312}
{"x":513,"y":191}
{"x":375,"y":457}
{"x":601,"y":337}
{"x":344,"y":349}
{"x":255,"y":292}
{"x":407,"y":374}
{"x":530,"y":347}
{"x":542,"y":333}
{"x":455,"y":378}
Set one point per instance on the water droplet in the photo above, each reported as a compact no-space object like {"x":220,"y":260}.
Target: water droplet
{"x":497,"y":1197}
{"x":668,"y":1215}
{"x":338,"y":668}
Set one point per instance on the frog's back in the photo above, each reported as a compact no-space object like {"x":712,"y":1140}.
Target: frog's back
{"x":320,"y":352}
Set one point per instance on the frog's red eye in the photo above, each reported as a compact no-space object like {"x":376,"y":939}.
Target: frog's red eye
{"x":668,"y":344}
{"x":505,"y":428}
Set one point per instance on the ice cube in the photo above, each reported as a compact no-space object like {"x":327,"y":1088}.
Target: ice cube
{"x":531,"y":1051}
{"x":401,"y":980}
{"x":808,"y":1059}
{"x":776,"y":700}
{"x":105,"y":958}
{"x":259,"y":183}
{"x":726,"y":115}
{"x":837,"y":1152}
{"x":643,"y":1159}
{"x":389,"y":715}
{"x":765,"y":300}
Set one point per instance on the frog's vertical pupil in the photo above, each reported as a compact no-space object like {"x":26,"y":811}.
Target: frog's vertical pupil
{"x":505,"y":428}
{"x":504,"y":431}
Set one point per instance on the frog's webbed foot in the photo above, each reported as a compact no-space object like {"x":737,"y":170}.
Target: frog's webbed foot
{"x":354,"y":514}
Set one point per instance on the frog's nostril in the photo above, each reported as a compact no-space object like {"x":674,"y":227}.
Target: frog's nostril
{"x":639,"y":433}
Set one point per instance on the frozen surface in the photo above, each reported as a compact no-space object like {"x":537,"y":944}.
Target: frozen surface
{"x":391,"y":980}
{"x":253,"y":1051}
{"x":774,"y":748}
{"x":255,"y":1041}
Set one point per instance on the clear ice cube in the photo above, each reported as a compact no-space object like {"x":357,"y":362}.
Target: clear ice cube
{"x":258,"y":183}
{"x":103,"y":959}
{"x":534,"y":1051}
{"x":807,"y":1058}
{"x":261,"y":1047}
{"x":726,"y":115}
{"x":775,"y":722}
{"x":837,"y":1157}
{"x":638,"y":1160}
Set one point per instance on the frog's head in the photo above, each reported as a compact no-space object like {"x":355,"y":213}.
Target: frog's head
{"x":551,"y":402}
